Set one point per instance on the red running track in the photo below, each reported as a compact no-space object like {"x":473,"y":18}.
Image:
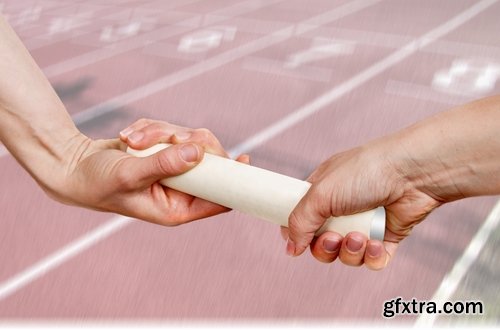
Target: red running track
{"x":117,"y":61}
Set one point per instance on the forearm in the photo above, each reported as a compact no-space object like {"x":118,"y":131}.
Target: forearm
{"x":455,"y":154}
{"x":34,"y":124}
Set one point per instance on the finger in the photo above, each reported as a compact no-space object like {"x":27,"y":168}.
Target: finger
{"x":202,"y":137}
{"x":376,"y":257}
{"x":245,"y":159}
{"x":137,"y":125}
{"x":136,"y":173}
{"x":201,"y":208}
{"x":390,"y":249}
{"x":303,"y":223}
{"x":353,"y":248}
{"x":154,"y":133}
{"x":326,"y":247}
{"x":187,"y":208}
{"x":379,"y":254}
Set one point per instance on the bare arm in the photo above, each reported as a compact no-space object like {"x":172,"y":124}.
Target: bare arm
{"x":455,"y":154}
{"x":34,"y":124}
{"x":70,"y":167}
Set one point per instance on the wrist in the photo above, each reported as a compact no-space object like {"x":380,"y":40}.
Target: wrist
{"x":62,"y":158}
{"x":428,"y":163}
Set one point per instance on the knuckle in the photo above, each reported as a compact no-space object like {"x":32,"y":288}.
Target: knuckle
{"x":173,"y":223}
{"x":295,"y":223}
{"x":316,"y":194}
{"x":143,"y":121}
{"x":168,"y":222}
{"x":350,"y":260}
{"x":209,"y":141}
{"x":377,"y":264}
{"x":156,"y":126}
{"x":165,"y":163}
{"x":204,"y":133}
{"x":325,"y":260}
{"x":351,"y":263}
{"x":298,"y":226}
{"x":322,"y":258}
{"x":322,"y":194}
{"x":374,"y":267}
{"x":167,"y":216}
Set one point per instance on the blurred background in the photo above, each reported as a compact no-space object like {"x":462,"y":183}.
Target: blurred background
{"x":290,"y":82}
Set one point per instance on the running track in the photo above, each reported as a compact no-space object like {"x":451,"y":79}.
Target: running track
{"x":290,"y":82}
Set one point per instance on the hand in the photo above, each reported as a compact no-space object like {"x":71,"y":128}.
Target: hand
{"x":105,"y":178}
{"x":354,"y":181}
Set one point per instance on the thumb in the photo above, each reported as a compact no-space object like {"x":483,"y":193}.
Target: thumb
{"x":303,"y":223}
{"x":168,"y":162}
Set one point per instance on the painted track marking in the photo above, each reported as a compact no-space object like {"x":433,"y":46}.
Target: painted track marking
{"x":219,"y":60}
{"x":340,"y":90}
{"x":34,"y":272}
{"x":60,"y":256}
{"x":462,"y":265}
{"x":137,"y":42}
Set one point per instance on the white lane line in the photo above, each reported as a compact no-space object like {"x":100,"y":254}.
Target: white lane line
{"x":219,"y":60}
{"x":340,"y":90}
{"x":424,"y":92}
{"x":395,"y":41}
{"x":265,"y":65}
{"x":454,"y":277}
{"x":47,"y":39}
{"x":160,"y":34}
{"x":24,"y":278}
{"x":32,"y":273}
{"x":65,"y":253}
{"x":180,"y":76}
{"x":118,"y":48}
{"x":60,"y":256}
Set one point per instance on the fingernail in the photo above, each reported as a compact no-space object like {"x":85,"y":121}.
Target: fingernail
{"x":182,"y":136}
{"x":331,"y":245}
{"x":126,"y":132}
{"x":354,"y":244}
{"x":136,"y":137}
{"x":374,"y":250}
{"x":290,"y":248}
{"x":189,"y":153}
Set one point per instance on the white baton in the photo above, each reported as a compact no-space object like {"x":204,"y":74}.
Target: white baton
{"x":260,"y":193}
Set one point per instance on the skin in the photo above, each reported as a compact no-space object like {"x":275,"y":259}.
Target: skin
{"x":412,"y":172}
{"x":450,"y":156}
{"x":97,"y":174}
